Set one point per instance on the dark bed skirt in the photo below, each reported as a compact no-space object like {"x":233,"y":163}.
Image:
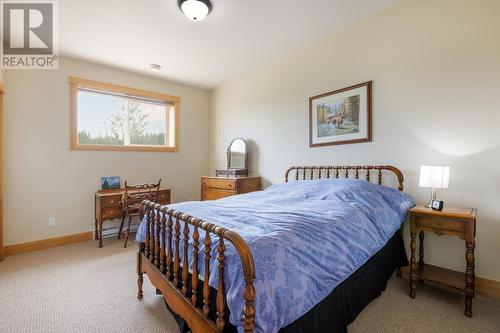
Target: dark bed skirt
{"x":347,"y":300}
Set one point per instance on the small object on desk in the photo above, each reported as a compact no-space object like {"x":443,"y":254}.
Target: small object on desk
{"x":460,"y":222}
{"x":213,"y":188}
{"x":110,"y":183}
{"x":434,"y":177}
{"x":108,"y":207}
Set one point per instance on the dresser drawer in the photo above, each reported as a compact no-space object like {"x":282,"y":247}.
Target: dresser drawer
{"x":214,"y":194}
{"x":112,"y":213}
{"x":438,"y":223}
{"x":111,"y":201}
{"x":220,"y":183}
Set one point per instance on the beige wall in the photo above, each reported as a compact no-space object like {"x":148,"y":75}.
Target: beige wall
{"x":45,"y":179}
{"x":436,"y":72}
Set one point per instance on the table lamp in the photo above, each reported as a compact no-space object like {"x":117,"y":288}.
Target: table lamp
{"x":434,"y":177}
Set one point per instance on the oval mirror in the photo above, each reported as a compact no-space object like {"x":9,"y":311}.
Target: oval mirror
{"x":237,"y":154}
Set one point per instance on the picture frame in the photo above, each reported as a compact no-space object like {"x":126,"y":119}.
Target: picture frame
{"x":110,"y":182}
{"x":342,"y":116}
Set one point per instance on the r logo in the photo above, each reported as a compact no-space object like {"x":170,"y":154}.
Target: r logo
{"x":28,"y":28}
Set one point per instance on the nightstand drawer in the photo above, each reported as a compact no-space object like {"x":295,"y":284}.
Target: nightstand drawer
{"x":221,"y":183}
{"x":438,"y":223}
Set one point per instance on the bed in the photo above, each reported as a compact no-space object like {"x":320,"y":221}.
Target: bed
{"x":297,"y":257}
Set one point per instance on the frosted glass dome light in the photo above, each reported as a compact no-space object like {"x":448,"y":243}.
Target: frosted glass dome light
{"x":195,"y":10}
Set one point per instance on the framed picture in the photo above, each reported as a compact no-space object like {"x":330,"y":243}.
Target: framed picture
{"x":109,"y":183}
{"x":342,"y":116}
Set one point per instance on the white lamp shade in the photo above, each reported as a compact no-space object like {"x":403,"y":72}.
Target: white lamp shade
{"x":195,"y":10}
{"x":434,"y":176}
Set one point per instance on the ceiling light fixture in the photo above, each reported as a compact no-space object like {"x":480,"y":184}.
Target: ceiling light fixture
{"x":155,"y":67}
{"x":195,"y":10}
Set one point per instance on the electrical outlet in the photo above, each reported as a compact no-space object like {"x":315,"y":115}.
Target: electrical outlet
{"x":52,"y":221}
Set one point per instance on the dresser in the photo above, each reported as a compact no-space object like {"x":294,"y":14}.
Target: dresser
{"x":213,"y":188}
{"x":108,"y":206}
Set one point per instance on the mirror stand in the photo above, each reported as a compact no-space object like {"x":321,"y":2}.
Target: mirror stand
{"x":237,"y":160}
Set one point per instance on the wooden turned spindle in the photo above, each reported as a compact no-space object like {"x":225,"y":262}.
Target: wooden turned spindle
{"x":185,"y":262}
{"x":170,"y":254}
{"x":206,"y":287}
{"x":152,"y":234}
{"x":140,"y":278}
{"x":157,"y":236}
{"x":194,"y":275}
{"x":469,"y":278}
{"x":357,"y":172}
{"x":177,"y":259}
{"x":336,"y":172}
{"x":221,"y":302}
{"x":162,"y":243}
{"x":248,"y":308}
{"x":346,"y":172}
{"x":413,"y":266}
{"x":367,"y":174}
{"x":380,"y":176}
{"x":146,"y":241}
{"x":421,"y":256}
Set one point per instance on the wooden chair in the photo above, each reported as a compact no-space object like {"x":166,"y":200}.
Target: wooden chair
{"x":131,"y":200}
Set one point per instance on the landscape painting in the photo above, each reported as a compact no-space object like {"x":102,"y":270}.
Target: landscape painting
{"x":341,"y":116}
{"x":338,"y":117}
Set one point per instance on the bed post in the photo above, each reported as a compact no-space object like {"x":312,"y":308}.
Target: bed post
{"x":140,"y":250}
{"x":140,"y":278}
{"x":249,"y":276}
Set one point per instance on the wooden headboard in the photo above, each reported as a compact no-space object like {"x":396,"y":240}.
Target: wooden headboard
{"x":343,"y":171}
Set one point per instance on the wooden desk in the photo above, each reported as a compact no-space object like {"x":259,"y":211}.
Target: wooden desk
{"x":460,"y":222}
{"x":108,"y":206}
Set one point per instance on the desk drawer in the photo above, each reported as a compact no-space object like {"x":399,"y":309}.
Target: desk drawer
{"x":163,"y":197}
{"x":224,"y":184}
{"x":111,"y":201}
{"x":111,"y":213}
{"x":440,"y":224}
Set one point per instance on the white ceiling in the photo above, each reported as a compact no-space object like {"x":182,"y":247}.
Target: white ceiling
{"x":236,"y":36}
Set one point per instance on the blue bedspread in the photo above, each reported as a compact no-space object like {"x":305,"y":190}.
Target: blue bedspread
{"x":306,"y":237}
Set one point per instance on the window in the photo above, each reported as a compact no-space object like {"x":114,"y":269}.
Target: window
{"x":110,"y":117}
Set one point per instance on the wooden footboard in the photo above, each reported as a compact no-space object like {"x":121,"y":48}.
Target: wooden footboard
{"x":180,"y":286}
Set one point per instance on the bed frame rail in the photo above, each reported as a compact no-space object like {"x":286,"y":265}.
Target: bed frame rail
{"x":343,"y":171}
{"x":162,"y":263}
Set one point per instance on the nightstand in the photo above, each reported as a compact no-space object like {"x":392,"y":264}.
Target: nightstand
{"x":460,"y":222}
